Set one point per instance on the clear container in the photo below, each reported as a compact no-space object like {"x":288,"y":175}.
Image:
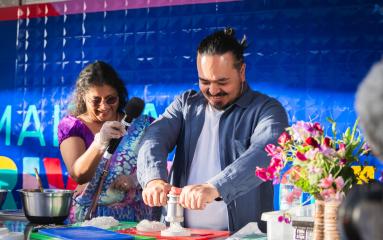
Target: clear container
{"x":284,"y":191}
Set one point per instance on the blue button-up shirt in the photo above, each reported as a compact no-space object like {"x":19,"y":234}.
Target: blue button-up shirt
{"x":246,"y":127}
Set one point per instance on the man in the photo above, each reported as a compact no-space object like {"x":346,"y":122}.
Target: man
{"x":220,"y":134}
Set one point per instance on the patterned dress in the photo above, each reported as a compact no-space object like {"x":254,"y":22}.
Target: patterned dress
{"x":123,"y":206}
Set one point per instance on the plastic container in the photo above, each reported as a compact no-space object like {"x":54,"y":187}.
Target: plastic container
{"x":284,"y":191}
{"x":277,"y":230}
{"x":281,"y":230}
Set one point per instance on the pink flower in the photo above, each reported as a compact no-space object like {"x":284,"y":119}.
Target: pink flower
{"x":326,"y":182}
{"x":342,"y":150}
{"x":273,"y":150}
{"x":311,"y":154}
{"x":297,"y":192}
{"x":318,"y":128}
{"x":301,"y":130}
{"x":293,"y":195}
{"x":289,"y":198}
{"x":301,"y":156}
{"x":314,"y":170}
{"x":284,"y":138}
{"x":339,"y":182}
{"x":264,"y":174}
{"x":276,"y":163}
{"x":328,"y":193}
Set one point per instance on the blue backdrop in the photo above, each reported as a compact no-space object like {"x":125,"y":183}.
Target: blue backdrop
{"x":309,"y":54}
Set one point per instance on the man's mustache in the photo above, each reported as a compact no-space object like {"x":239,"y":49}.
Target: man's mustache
{"x":220,"y":94}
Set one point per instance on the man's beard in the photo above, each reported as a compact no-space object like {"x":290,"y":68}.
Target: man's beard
{"x":220,"y":94}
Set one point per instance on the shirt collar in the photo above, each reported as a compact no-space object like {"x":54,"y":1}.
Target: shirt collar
{"x":246,"y":98}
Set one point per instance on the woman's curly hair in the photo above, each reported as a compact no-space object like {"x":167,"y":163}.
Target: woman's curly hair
{"x":96,"y":74}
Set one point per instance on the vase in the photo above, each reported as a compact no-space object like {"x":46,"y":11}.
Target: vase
{"x":318,"y":232}
{"x":331,"y":230}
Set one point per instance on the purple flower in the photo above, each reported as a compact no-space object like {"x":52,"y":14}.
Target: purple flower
{"x":342,"y":161}
{"x":327,"y":151}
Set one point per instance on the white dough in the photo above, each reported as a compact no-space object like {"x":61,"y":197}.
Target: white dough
{"x":174,"y":230}
{"x":101,"y":222}
{"x":150,"y":226}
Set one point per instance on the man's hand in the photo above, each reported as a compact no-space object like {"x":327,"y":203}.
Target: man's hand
{"x":197,"y":196}
{"x":155,"y":193}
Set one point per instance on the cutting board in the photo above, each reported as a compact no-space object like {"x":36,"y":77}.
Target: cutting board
{"x":83,"y":233}
{"x":196,"y":234}
{"x":122,"y":225}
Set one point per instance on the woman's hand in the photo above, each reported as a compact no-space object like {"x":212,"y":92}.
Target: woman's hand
{"x":109,"y":130}
{"x":125,"y":183}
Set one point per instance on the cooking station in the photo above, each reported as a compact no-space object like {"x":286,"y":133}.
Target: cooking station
{"x":45,"y":212}
{"x":15,"y":221}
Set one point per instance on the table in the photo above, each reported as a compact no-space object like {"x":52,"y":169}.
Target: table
{"x":16,"y":222}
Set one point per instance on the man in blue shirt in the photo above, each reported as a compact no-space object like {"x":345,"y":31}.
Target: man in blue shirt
{"x":220,"y":134}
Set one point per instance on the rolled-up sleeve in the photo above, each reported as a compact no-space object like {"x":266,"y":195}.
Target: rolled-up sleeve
{"x":157,"y":142}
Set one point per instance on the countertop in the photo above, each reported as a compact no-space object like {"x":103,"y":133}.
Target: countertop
{"x":15,"y":221}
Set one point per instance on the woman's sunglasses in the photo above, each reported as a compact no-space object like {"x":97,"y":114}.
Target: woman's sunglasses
{"x":110,"y":100}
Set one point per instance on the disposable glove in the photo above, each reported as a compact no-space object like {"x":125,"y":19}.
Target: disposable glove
{"x":109,"y":130}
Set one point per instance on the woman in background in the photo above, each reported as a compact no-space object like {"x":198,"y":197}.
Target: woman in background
{"x":94,"y":119}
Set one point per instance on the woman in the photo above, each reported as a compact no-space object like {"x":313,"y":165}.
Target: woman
{"x":98,"y":103}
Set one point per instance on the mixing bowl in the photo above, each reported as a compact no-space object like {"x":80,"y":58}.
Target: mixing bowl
{"x":49,"y":206}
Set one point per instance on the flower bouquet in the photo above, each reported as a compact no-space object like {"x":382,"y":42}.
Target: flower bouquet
{"x":317,"y":164}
